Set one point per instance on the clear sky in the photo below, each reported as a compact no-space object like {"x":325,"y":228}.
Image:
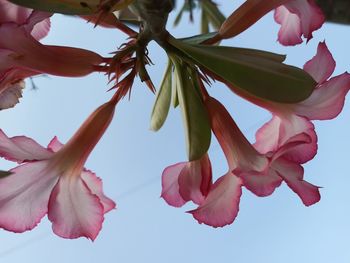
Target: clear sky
{"x":130,"y":159}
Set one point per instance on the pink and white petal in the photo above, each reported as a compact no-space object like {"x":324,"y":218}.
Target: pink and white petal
{"x":261,"y":184}
{"x":221,"y":206}
{"x":74,"y":210}
{"x":292,"y":174}
{"x":275,"y":133}
{"x":27,"y":17}
{"x":13,"y":13}
{"x":94,"y":183}
{"x":327,"y":101}
{"x":10,"y":75}
{"x":322,"y":65}
{"x":268,"y":136}
{"x":10,"y":96}
{"x":21,"y":148}
{"x":310,"y":14}
{"x":290,"y":31}
{"x":303,"y":152}
{"x":55,"y":145}
{"x":24,"y":195}
{"x":301,"y":139}
{"x":195,"y":180}
{"x":41,"y":29}
{"x":170,"y":185}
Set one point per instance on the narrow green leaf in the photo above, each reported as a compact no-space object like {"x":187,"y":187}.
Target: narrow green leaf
{"x":197,"y":39}
{"x":163,"y":100}
{"x":204,"y":23}
{"x":237,"y":53}
{"x":256,"y":73}
{"x":69,"y":7}
{"x":4,"y":174}
{"x":194,"y":114}
{"x":179,"y":15}
{"x":213,"y":13}
{"x":175,"y":97}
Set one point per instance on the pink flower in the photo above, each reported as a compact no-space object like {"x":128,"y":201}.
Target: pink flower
{"x":298,"y":18}
{"x":187,"y":181}
{"x":326,"y":102}
{"x":53,"y":181}
{"x":22,"y":55}
{"x":259,"y":173}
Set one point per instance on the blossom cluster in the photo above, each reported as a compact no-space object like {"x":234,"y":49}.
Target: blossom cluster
{"x":52,"y":180}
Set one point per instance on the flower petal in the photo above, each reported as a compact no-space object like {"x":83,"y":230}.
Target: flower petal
{"x":38,"y":23}
{"x":275,"y":133}
{"x":24,"y":195}
{"x":170,"y":185}
{"x":10,"y":96}
{"x":292,"y":174}
{"x":13,"y":13}
{"x":311,"y":16}
{"x":74,"y":210}
{"x":221,"y":206}
{"x":297,"y":18}
{"x":327,"y":101}
{"x":41,"y":29}
{"x":322,"y":65}
{"x":261,"y":184}
{"x":21,"y":148}
{"x":55,"y":145}
{"x":94,"y":183}
{"x":195,"y":180}
{"x":290,"y":31}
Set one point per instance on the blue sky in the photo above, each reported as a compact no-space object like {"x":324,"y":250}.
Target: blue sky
{"x":130,"y":159}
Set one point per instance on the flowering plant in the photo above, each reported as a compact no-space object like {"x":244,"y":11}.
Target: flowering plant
{"x":52,"y":180}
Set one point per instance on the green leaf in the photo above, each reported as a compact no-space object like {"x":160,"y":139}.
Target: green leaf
{"x":179,"y":15}
{"x":197,"y":39}
{"x":175,"y":101}
{"x":69,"y":7}
{"x":251,"y":72}
{"x":213,"y":13}
{"x":194,"y":114}
{"x":4,"y":174}
{"x":163,"y":100}
{"x":204,"y":24}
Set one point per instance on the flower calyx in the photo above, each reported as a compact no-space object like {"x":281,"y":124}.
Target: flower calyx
{"x":128,"y":62}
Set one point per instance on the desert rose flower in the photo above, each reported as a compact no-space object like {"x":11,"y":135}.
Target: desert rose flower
{"x":53,"y":181}
{"x":326,"y":102}
{"x":260,"y":173}
{"x":22,"y":55}
{"x":297,"y":18}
